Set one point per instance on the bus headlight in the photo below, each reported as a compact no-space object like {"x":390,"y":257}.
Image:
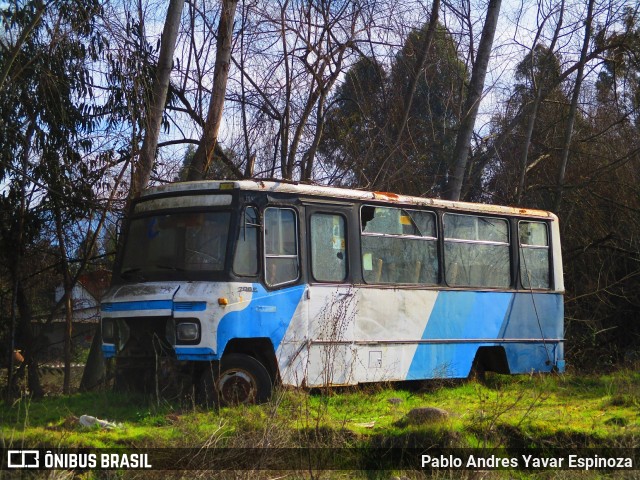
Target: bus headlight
{"x":187,"y":332}
{"x":108,"y":330}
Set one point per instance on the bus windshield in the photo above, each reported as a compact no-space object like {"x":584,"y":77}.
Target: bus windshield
{"x":162,"y":245}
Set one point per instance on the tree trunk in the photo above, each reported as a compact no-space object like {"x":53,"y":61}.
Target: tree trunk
{"x":307,"y":160}
{"x":472,"y":103}
{"x":95,"y":376}
{"x":283,"y":135}
{"x":28,"y":343}
{"x":204,"y":153}
{"x":568,"y":133}
{"x":142,"y":172}
{"x":94,"y":373}
{"x":67,"y":283}
{"x":21,"y":331}
{"x":524,"y":159}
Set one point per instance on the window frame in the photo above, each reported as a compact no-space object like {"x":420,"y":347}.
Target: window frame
{"x":522,"y":246}
{"x":258,"y":226}
{"x":265,"y":256}
{"x":435,"y":239}
{"x":507,"y":244}
{"x":346,"y":246}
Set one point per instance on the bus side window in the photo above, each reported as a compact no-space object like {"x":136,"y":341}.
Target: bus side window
{"x":476,"y":251}
{"x":328,"y":248}
{"x":534,"y":254}
{"x":398,"y":245}
{"x":281,"y":246}
{"x":245,"y":261}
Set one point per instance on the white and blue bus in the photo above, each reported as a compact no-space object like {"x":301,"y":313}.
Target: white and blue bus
{"x":235,"y":286}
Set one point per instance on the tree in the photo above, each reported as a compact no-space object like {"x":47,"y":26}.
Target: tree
{"x":158,"y":99}
{"x":472,"y":102}
{"x":418,"y":68}
{"x":42,"y":119}
{"x":543,"y":69}
{"x":204,"y":153}
{"x":530,"y":127}
{"x":367,"y":129}
{"x":355,"y":125}
{"x":574,"y":104}
{"x":598,"y":213}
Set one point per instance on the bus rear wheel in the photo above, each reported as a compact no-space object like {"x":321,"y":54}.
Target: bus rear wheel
{"x":238,"y":380}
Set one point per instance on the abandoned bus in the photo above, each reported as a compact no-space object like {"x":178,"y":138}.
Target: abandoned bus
{"x":234,"y":286}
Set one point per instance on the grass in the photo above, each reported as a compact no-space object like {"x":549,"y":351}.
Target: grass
{"x":548,"y":411}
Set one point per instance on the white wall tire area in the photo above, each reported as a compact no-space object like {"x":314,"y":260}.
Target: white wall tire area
{"x":238,"y":380}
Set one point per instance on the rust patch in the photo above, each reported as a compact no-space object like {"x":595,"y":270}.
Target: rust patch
{"x":394,"y":197}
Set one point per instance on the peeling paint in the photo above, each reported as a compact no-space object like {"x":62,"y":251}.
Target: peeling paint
{"x":344,"y":193}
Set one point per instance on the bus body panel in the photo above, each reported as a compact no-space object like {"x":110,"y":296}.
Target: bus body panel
{"x":360,"y":335}
{"x":345,"y":335}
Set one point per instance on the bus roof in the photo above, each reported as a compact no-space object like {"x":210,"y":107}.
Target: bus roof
{"x":340,"y":193}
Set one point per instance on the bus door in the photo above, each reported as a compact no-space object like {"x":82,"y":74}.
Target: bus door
{"x":332,"y":299}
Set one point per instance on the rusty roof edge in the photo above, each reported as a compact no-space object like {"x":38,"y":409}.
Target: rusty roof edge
{"x":346,"y":193}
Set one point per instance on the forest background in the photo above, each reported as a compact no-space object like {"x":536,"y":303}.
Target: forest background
{"x":534,"y":104}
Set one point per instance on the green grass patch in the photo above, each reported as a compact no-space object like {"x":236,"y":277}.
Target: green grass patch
{"x":505,"y":411}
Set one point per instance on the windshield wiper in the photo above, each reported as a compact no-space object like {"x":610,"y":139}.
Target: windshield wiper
{"x":130,"y":273}
{"x":169,"y":267}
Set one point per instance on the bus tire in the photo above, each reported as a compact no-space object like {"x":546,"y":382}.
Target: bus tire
{"x":238,"y":380}
{"x":478,"y":372}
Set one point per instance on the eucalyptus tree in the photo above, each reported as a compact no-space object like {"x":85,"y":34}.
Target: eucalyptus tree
{"x":158,"y":98}
{"x":44,"y":116}
{"x":472,"y":102}
{"x":571,"y":118}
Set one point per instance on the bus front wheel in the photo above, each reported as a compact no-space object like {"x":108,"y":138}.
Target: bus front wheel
{"x":238,"y":379}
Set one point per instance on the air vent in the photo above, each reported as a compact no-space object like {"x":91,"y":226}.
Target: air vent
{"x":189,"y":306}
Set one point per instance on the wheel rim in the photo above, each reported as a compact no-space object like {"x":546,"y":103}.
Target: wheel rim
{"x":237,"y":387}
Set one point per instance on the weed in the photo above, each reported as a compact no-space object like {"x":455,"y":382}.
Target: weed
{"x":512,"y":412}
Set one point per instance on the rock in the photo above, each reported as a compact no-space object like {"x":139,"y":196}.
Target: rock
{"x":394,"y":401}
{"x":422,"y":415}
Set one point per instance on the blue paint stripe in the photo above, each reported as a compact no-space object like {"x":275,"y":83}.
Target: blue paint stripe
{"x":267,"y":315}
{"x":196,"y":354}
{"x":462,"y":315}
{"x":137,"y":305}
{"x":108,"y":351}
{"x":488,"y":315}
{"x":197,"y":358}
{"x":154,"y":305}
{"x":194,"y":351}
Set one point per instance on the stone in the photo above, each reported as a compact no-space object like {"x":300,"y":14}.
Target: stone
{"x":422,"y":415}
